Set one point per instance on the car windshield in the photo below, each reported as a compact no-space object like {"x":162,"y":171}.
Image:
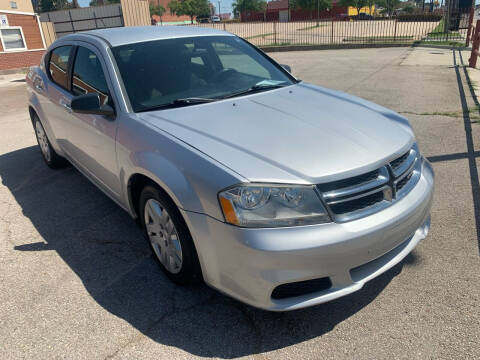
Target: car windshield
{"x":187,"y":71}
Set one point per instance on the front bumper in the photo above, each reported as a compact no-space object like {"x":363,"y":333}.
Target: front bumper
{"x":248,"y":264}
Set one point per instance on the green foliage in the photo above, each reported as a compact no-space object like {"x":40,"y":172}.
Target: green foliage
{"x":370,"y":4}
{"x":311,"y":4}
{"x":156,"y":10}
{"x":409,"y":9}
{"x":240,"y":6}
{"x":389,"y":5}
{"x":191,"y":8}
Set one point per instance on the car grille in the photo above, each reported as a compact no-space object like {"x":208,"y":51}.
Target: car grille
{"x":365,"y":194}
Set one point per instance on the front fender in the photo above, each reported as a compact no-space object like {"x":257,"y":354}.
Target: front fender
{"x":191,"y":178}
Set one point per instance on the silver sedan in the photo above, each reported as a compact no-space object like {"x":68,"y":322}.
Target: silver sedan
{"x":279,"y":193}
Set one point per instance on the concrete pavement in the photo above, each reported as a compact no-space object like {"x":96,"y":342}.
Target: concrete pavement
{"x":77,"y":280}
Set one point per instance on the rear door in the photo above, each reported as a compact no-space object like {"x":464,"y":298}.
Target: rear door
{"x":57,"y":91}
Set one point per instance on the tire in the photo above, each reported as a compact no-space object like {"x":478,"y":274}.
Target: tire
{"x":164,"y":228}
{"x":52,"y":159}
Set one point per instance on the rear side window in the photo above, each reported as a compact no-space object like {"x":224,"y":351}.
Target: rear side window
{"x":88,"y":76}
{"x":58,"y":65}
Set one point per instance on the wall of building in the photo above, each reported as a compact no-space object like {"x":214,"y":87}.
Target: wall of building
{"x":31,"y":31}
{"x":15,"y":60}
{"x":33,"y":41}
{"x":21,"y":5}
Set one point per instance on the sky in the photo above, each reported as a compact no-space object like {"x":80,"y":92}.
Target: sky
{"x":225,"y":5}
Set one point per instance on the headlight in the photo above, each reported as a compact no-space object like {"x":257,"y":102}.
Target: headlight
{"x":258,"y":205}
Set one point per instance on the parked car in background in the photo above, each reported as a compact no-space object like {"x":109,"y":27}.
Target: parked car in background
{"x":362,"y":16}
{"x":203,"y":20}
{"x":215,"y":19}
{"x":279,"y":193}
{"x":342,"y":17}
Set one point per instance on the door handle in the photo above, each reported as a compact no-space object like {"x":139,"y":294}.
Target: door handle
{"x":65,"y":106}
{"x":37,"y":83}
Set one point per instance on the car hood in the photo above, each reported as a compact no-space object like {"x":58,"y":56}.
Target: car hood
{"x":298,"y":134}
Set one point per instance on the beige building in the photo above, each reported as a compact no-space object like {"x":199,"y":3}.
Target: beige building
{"x":16,"y":5}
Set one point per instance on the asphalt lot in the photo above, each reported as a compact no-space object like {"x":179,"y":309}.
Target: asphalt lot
{"x":78,"y":281}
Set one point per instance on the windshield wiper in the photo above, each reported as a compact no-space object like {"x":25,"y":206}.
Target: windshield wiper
{"x":254,"y":89}
{"x":179,"y":103}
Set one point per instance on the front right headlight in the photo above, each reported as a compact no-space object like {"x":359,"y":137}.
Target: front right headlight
{"x":264,"y":205}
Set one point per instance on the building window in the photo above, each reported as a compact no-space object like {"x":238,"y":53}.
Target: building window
{"x":12,"y":39}
{"x":13,"y":4}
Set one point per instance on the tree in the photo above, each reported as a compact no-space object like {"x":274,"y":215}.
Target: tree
{"x":157,"y":10}
{"x":370,"y":4}
{"x":409,"y":9}
{"x":389,"y":5}
{"x":240,"y":6}
{"x":191,"y":8}
{"x":357,"y":4}
{"x":52,"y":5}
{"x":310,"y":4}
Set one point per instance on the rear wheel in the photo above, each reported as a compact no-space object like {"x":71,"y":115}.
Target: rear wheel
{"x":168,"y":236}
{"x":52,"y":159}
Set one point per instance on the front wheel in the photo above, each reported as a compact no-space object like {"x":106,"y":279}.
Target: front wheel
{"x":168,"y":236}
{"x":52,"y":159}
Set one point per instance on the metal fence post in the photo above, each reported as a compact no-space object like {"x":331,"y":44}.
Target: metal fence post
{"x":275,"y":32}
{"x":395,"y":31}
{"x":331,"y":34}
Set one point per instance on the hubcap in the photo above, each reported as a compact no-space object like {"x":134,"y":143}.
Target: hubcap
{"x":43,"y":141}
{"x":163,"y":236}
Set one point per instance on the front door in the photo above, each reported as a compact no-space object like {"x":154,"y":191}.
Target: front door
{"x":91,"y":138}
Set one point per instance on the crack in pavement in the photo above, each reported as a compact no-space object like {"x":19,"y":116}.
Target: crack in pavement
{"x":453,"y":114}
{"x":157,"y":322}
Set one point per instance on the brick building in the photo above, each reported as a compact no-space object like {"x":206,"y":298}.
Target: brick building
{"x":21,"y":39}
{"x":279,"y":10}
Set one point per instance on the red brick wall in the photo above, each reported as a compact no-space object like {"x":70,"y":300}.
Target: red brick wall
{"x":32,"y":38}
{"x":14,"y":60}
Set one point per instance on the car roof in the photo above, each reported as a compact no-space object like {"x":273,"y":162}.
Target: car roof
{"x":135,"y":34}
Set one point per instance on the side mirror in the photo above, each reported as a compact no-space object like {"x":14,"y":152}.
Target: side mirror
{"x":90,"y":104}
{"x":286,"y":67}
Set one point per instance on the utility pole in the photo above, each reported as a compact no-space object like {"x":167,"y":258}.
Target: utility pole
{"x":318,"y":12}
{"x":219,"y":12}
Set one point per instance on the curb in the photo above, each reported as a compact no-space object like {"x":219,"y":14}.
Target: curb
{"x":22,"y":70}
